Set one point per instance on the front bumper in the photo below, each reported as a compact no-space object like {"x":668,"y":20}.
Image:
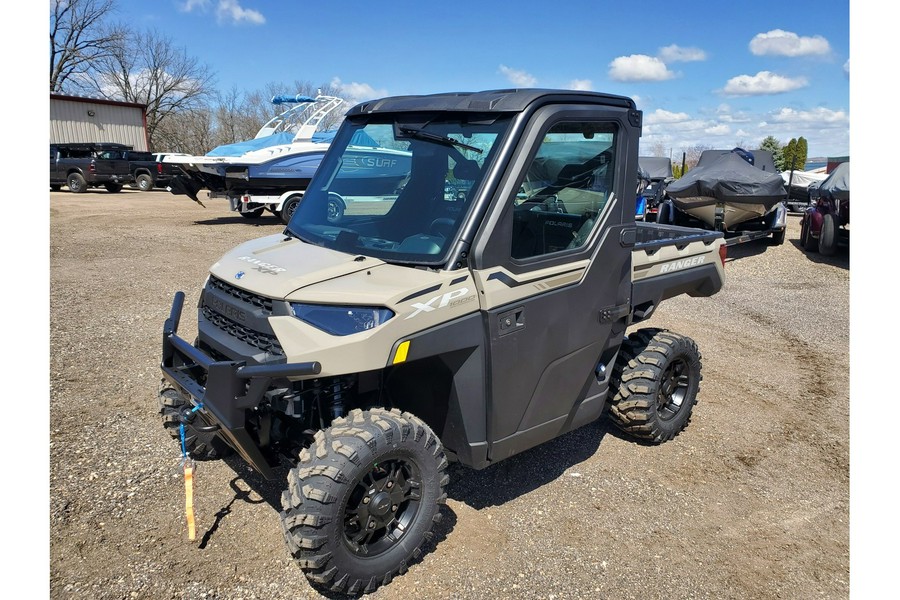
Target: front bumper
{"x":225,"y":390}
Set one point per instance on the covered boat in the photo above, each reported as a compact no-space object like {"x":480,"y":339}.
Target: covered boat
{"x":283,"y":156}
{"x":725,"y":189}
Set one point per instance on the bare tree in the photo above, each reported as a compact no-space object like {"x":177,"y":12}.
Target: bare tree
{"x":188,"y":131}
{"x":79,"y":36}
{"x":147,"y":68}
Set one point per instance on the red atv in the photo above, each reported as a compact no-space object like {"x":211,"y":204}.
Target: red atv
{"x":824,"y":224}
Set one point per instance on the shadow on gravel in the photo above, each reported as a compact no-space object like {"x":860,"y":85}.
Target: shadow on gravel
{"x":239,"y":219}
{"x":528,"y":471}
{"x":841,"y":258}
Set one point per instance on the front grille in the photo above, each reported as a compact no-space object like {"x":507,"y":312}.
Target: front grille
{"x":243,"y":295}
{"x":265,"y":342}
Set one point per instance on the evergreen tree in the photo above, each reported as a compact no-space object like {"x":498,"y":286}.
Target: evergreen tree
{"x":774,"y":146}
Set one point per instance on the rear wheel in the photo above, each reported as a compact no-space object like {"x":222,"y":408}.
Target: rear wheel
{"x":290,"y":205}
{"x":828,"y":235}
{"x":253,"y":214}
{"x":113,"y":188}
{"x":55,"y":188}
{"x":363,"y":498}
{"x":144,"y":182}
{"x":656,"y":379}
{"x":76,"y":183}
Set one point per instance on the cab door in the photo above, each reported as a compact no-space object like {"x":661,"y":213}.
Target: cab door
{"x":554,"y":276}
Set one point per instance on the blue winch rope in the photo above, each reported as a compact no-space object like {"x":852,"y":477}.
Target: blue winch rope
{"x":181,"y":429}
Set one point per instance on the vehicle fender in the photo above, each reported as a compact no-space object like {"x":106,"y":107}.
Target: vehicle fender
{"x":283,"y":198}
{"x":815,"y":218}
{"x":780,"y":219}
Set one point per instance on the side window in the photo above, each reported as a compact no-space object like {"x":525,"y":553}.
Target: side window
{"x":565,"y":188}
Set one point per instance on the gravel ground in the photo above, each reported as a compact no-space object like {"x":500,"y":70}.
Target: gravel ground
{"x":750,"y":501}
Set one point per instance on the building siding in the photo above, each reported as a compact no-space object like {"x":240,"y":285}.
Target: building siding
{"x":71,"y":121}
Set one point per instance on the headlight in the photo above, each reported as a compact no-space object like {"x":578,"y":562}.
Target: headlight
{"x":341,"y":320}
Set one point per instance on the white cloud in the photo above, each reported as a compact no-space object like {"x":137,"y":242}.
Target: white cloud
{"x":664,"y":116}
{"x":639,"y":67}
{"x":581,"y":84}
{"x":820,"y":117}
{"x":719,"y":129}
{"x":358,"y":92}
{"x":847,"y":67}
{"x":786,"y":43}
{"x":190,"y":5}
{"x":227,"y":11}
{"x":231,"y":11}
{"x":518,"y":78}
{"x":763,"y":83}
{"x":675,"y":53}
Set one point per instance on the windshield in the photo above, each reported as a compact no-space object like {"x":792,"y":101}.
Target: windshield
{"x":398,"y":190}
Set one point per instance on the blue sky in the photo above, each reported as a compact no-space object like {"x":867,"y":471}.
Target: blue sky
{"x":732,"y":73}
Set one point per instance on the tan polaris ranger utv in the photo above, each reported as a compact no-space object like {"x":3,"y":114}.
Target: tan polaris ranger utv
{"x":469,"y":303}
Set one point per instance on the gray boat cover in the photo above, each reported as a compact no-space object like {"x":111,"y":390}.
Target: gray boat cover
{"x":837,"y":185}
{"x":727,"y":178}
{"x":657,"y":167}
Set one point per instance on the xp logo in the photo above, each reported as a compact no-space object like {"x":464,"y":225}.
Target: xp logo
{"x":263,"y":267}
{"x":449,"y":299}
{"x":239,"y":274}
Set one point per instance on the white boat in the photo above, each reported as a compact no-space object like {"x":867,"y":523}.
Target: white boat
{"x":282,"y":157}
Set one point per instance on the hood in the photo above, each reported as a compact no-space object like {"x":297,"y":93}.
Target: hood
{"x":277,"y":265}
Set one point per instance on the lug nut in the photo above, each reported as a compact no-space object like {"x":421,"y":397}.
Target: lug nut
{"x":390,"y":484}
{"x":366,"y":500}
{"x":371,"y":524}
{"x":394,"y":508}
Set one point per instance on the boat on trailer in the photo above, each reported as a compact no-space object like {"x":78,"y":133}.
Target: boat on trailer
{"x":283,"y":155}
{"x":734,"y":191}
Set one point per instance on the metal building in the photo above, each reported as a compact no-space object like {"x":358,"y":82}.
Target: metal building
{"x":76,"y":119}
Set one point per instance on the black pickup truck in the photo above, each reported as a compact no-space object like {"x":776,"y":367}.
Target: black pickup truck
{"x":84,"y":165}
{"x":148,"y":171}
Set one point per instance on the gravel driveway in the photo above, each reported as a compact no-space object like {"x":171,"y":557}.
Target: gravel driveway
{"x":750,"y":501}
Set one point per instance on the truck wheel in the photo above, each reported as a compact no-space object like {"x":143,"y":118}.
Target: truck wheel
{"x":828,"y":235}
{"x":76,"y":183}
{"x":656,"y":379}
{"x":290,"y":205}
{"x":113,"y":188}
{"x":144,"y":182}
{"x":253,"y":214}
{"x":200,"y":441}
{"x":363,"y":498}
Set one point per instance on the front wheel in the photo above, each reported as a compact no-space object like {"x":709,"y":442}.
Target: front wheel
{"x":656,"y":379}
{"x":201,"y":441}
{"x":363,"y":498}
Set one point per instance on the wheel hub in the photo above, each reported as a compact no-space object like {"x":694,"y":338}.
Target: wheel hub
{"x":382,"y":507}
{"x":673,"y":389}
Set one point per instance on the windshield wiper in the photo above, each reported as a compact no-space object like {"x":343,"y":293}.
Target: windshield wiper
{"x":440,"y":139}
